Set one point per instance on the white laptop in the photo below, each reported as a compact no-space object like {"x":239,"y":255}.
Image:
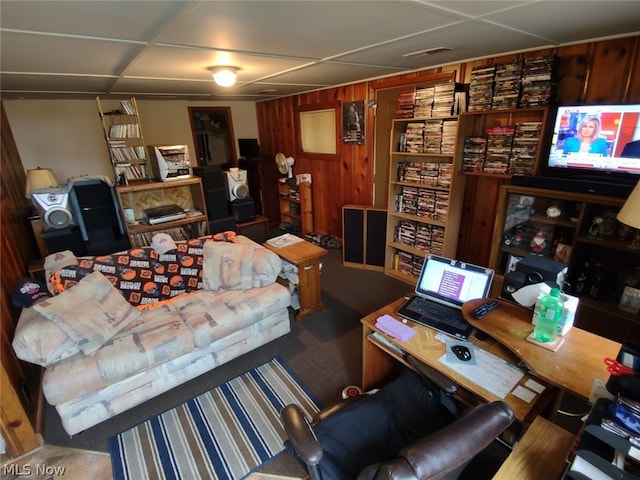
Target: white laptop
{"x":443,"y":286}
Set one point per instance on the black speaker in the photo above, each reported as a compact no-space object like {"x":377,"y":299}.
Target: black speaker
{"x":249,"y":147}
{"x":243,"y":209}
{"x":530,"y":270}
{"x":353,"y":234}
{"x":363,"y":231}
{"x":97,"y":215}
{"x":376,"y":228}
{"x":69,"y":238}
{"x":213,"y":179}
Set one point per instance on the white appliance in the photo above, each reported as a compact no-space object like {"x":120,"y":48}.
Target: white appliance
{"x":236,"y":186}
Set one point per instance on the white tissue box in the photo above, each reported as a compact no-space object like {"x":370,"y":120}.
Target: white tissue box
{"x":568,"y":312}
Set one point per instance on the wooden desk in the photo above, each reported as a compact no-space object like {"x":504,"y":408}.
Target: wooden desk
{"x":306,"y":257}
{"x":379,"y":364}
{"x":540,"y":454}
{"x":572,"y":368}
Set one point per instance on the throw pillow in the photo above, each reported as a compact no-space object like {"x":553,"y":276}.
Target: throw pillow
{"x":38,"y":340}
{"x":227,"y":266}
{"x":91,"y":312}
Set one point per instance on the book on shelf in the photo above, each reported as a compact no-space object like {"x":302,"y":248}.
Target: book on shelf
{"x":127,"y":107}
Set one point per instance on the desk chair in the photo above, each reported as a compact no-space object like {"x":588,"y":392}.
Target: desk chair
{"x":402,"y":431}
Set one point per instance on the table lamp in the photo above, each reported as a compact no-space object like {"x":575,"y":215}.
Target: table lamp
{"x":630,"y":214}
{"x":39,"y":179}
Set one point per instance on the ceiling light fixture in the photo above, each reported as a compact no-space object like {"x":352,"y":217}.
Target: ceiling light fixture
{"x":225,"y":76}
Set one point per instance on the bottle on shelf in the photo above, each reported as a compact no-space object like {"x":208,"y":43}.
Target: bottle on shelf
{"x":549,"y":314}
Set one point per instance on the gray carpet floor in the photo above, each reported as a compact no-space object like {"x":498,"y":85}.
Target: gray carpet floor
{"x":324,"y":350}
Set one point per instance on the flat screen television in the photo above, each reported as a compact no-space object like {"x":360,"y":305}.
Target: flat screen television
{"x":596,"y":143}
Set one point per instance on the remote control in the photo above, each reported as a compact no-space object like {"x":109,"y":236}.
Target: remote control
{"x":485,"y":309}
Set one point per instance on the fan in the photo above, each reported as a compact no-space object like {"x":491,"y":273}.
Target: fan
{"x":285,"y":164}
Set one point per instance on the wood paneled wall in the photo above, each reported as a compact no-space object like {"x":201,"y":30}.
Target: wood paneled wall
{"x":20,"y":381}
{"x":599,"y":72}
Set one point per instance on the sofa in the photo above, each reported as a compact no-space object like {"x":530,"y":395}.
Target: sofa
{"x":121,"y":329}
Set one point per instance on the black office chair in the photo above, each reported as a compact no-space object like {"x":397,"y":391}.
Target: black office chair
{"x":403,"y":431}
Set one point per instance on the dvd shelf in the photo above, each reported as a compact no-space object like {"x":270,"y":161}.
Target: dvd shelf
{"x":123,"y":134}
{"x":425,"y":192}
{"x":504,"y":142}
{"x":188,"y":194}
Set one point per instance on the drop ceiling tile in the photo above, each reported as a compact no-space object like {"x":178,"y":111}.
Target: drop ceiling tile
{"x":339,"y":73}
{"x":307,"y":29}
{"x":183,"y":63}
{"x":568,"y":21}
{"x":31,"y":53}
{"x":463,"y":39}
{"x":132,"y":20}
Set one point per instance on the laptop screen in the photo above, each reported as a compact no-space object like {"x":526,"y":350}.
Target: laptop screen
{"x":452,"y":282}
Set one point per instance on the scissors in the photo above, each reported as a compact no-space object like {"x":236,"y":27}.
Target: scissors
{"x":617,"y":369}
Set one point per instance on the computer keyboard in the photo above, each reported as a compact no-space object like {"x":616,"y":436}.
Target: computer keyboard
{"x":440,"y":313}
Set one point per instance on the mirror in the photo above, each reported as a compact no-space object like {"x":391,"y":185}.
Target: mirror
{"x":212,"y":131}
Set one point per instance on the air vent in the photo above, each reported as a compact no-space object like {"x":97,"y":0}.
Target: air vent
{"x":267,"y":91}
{"x":429,"y":51}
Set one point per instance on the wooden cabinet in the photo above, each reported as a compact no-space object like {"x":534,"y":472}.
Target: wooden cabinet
{"x":296,"y":207}
{"x":262,"y":177}
{"x":424,"y":197}
{"x":580,"y":230}
{"x":187,"y":194}
{"x":123,"y":133}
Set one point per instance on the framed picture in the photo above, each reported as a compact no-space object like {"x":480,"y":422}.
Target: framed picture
{"x":630,"y":300}
{"x":353,"y":122}
{"x":512,"y":261}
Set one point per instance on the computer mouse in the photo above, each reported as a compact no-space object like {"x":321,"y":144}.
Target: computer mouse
{"x":462,"y":352}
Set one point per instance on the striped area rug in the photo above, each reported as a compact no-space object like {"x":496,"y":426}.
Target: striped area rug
{"x":225,"y":433}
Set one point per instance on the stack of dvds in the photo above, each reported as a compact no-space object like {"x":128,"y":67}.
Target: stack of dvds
{"x":449,"y":137}
{"x":432,"y":137}
{"x":426,"y":204}
{"x":481,"y":88}
{"x":405,"y":262}
{"x":474,"y":154}
{"x":445,"y":174}
{"x":539,"y":81}
{"x":408,"y":172}
{"x":406,"y":101}
{"x":416,"y":268}
{"x":410,"y":200}
{"x":525,"y":143}
{"x":405,"y":233}
{"x":437,"y":240}
{"x":499,"y":142}
{"x":423,"y":105}
{"x":423,"y":236}
{"x":429,"y":172}
{"x":506,"y":90}
{"x":443,"y":99}
{"x":414,"y":138}
{"x":441,"y":210}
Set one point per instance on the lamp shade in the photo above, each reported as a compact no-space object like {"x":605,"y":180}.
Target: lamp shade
{"x":630,"y":212}
{"x":38,"y":179}
{"x":224,"y":76}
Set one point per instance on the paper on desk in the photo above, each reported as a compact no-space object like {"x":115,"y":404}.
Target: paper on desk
{"x":490,"y":371}
{"x":284,"y":240}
